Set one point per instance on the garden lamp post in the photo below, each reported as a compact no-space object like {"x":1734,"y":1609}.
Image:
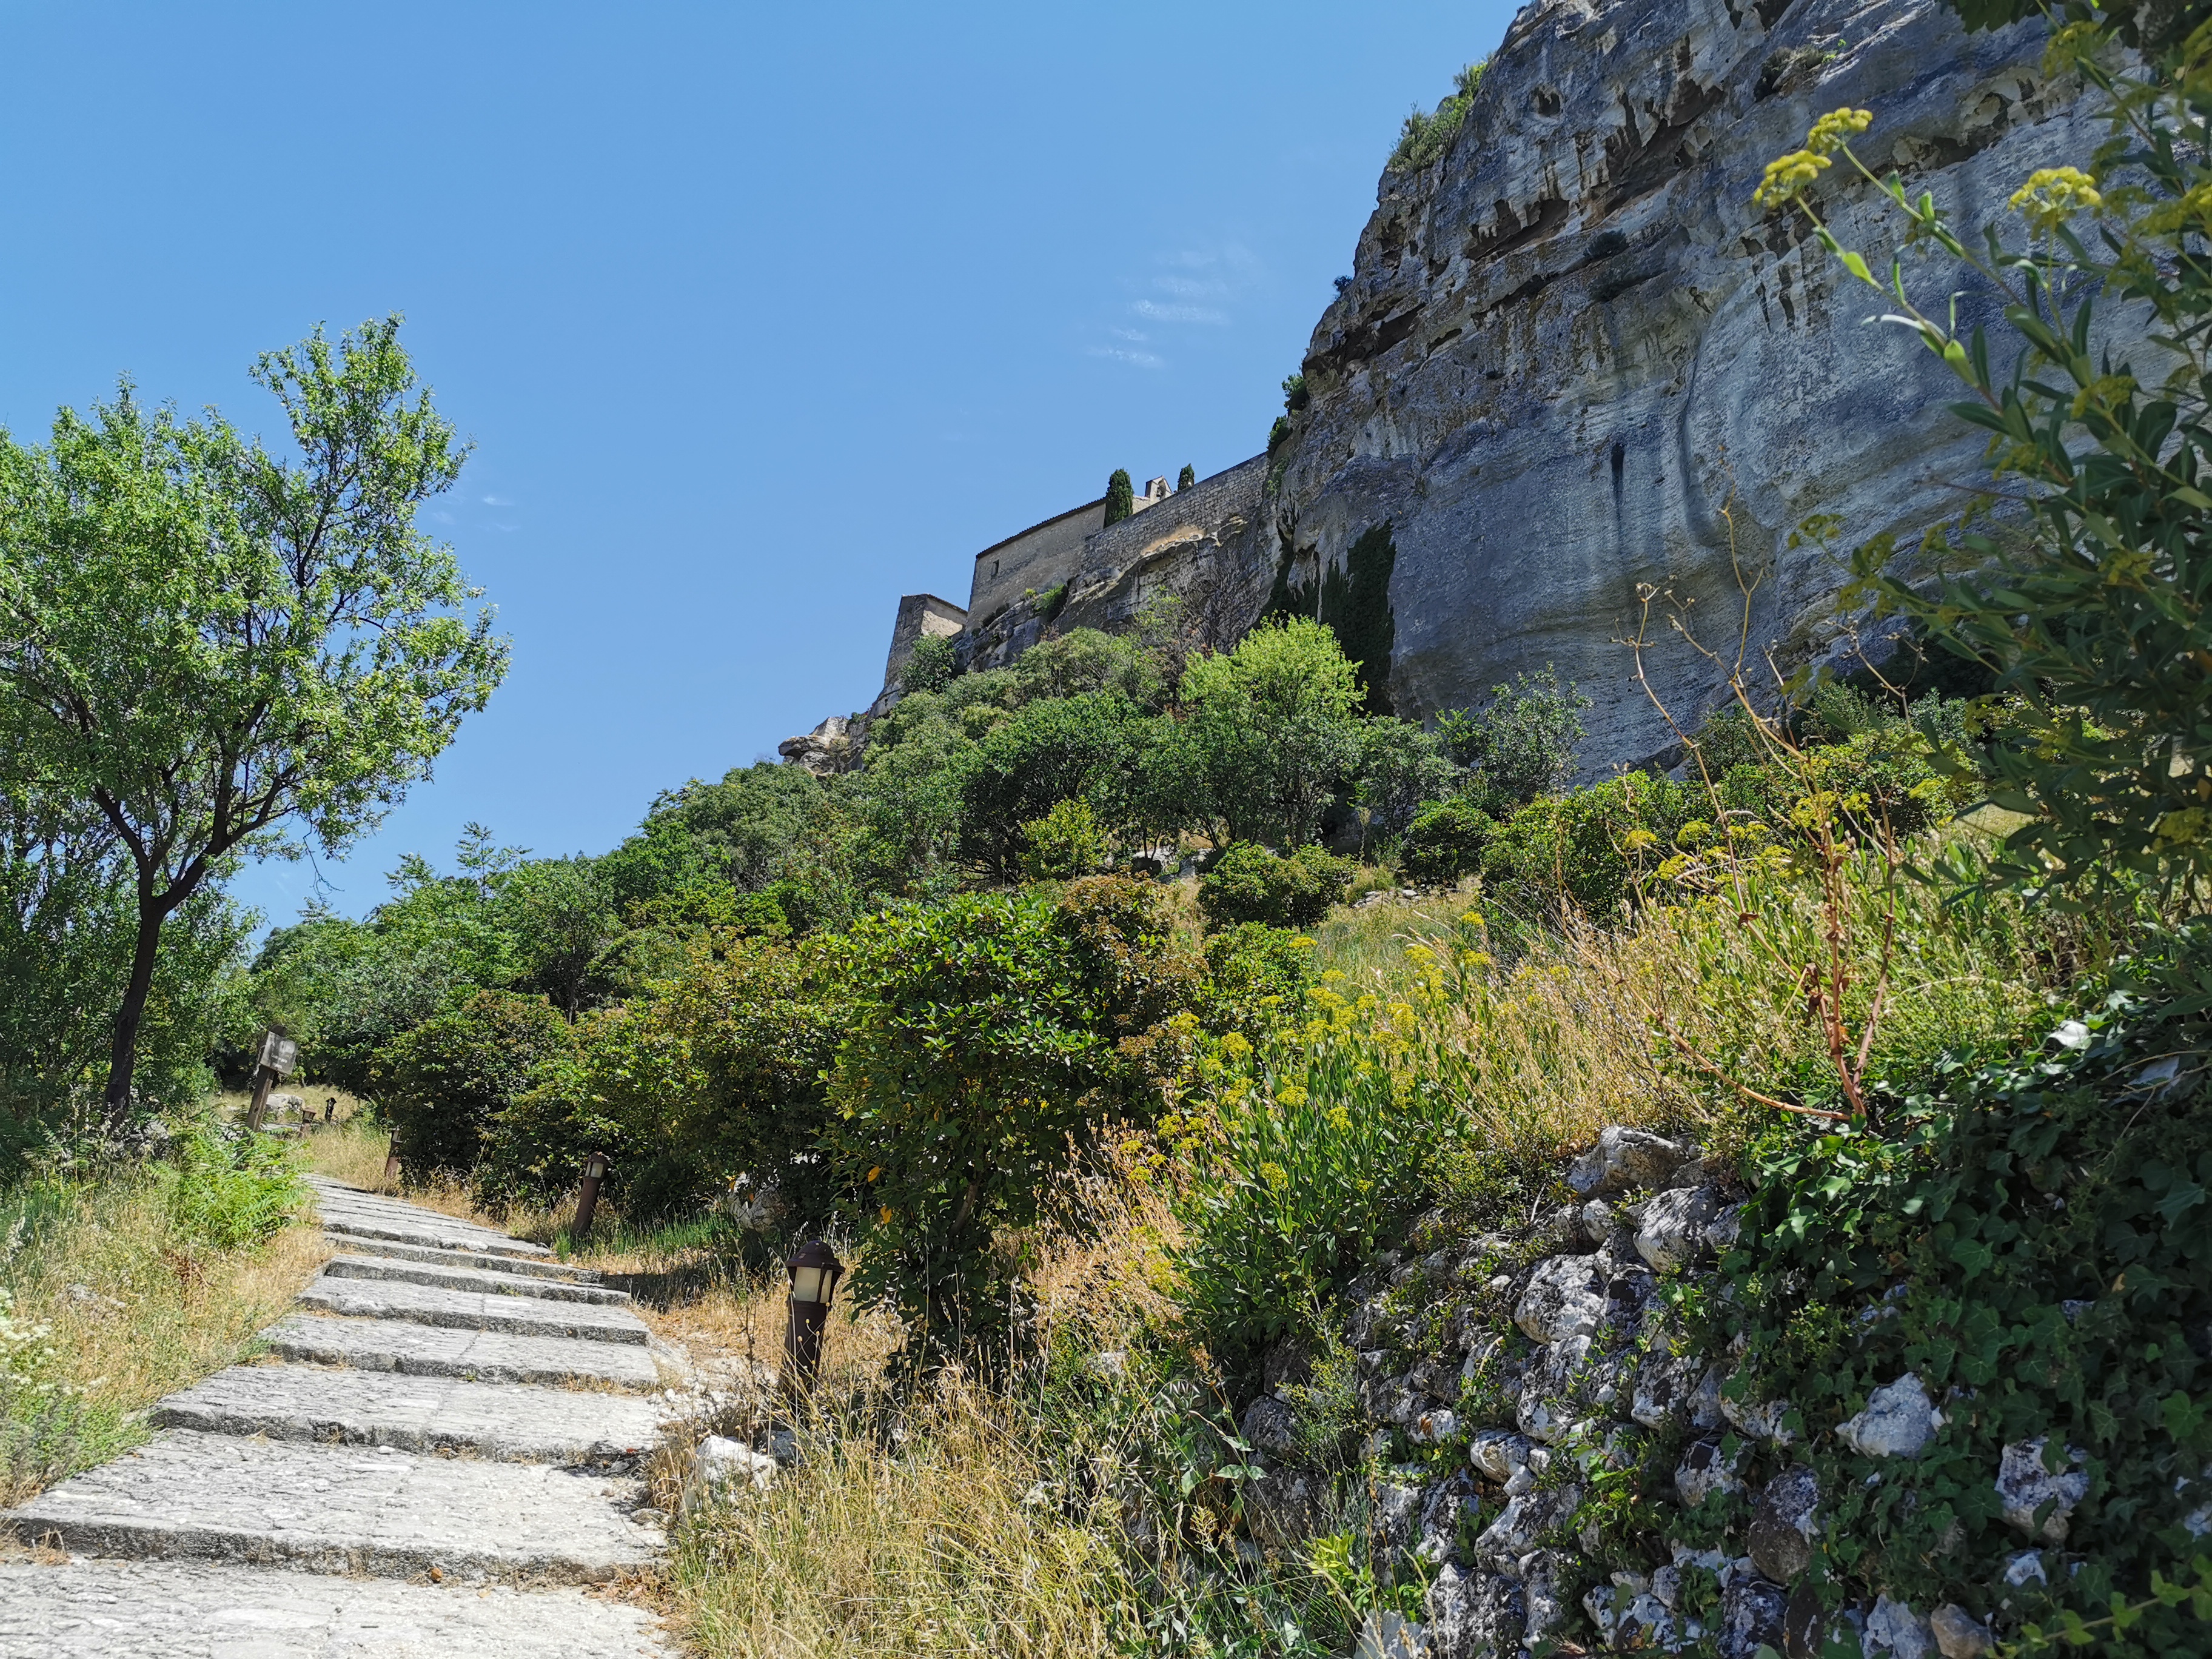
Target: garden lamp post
{"x":595,"y":1170}
{"x":815,"y":1271}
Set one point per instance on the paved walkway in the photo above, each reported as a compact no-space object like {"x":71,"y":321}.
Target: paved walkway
{"x":454,"y":1439}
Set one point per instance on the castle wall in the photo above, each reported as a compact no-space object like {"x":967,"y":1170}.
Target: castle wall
{"x":1038,"y":560}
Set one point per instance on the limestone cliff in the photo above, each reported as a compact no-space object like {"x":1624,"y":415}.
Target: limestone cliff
{"x":1574,"y":359}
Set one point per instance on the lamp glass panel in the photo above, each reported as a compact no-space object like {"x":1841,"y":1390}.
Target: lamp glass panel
{"x":806,"y":1283}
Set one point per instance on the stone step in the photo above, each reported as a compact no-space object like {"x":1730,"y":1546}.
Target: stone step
{"x":477,"y":1259}
{"x":482,"y":1279}
{"x":192,"y":1610}
{"x":437,"y":1235}
{"x":472,"y":1310}
{"x":390,"y":1344}
{"x":511,"y":1422}
{"x":339,"y":1509}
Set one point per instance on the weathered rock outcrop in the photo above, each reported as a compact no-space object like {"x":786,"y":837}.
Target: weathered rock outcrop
{"x":1575,"y":362}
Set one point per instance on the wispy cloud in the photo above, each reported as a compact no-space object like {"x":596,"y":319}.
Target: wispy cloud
{"x":497,"y":501}
{"x":1153,"y":310}
{"x":1192,"y":287}
{"x":1136,"y":334}
{"x":1135,"y":359}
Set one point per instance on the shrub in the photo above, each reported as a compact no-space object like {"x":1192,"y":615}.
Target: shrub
{"x":992,"y":1038}
{"x":1521,"y":746}
{"x":1082,"y":748}
{"x":931,"y":665}
{"x":1187,"y":477}
{"x":1427,"y":135}
{"x":1447,"y":839}
{"x":1586,"y":847}
{"x":442,"y":1086}
{"x":1314,"y":1148}
{"x":1062,"y":844}
{"x":1249,"y":883}
{"x":1256,"y":978}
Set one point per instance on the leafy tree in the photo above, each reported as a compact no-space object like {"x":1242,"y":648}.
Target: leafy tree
{"x":1062,"y":844}
{"x":1402,"y":767}
{"x":931,"y":667}
{"x":1187,"y":477}
{"x":564,"y":922}
{"x":1059,"y":749}
{"x":225,"y":650}
{"x":2084,"y":596}
{"x":1120,"y":496}
{"x":444,"y":1085}
{"x":1521,"y":746}
{"x":1248,"y":884}
{"x":1270,"y":735}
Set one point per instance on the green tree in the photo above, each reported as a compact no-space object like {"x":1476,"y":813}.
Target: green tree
{"x":931,"y":664}
{"x":564,"y":922}
{"x":1120,"y":496}
{"x":1522,"y":744}
{"x":1187,"y":477}
{"x":227,"y":651}
{"x":1059,"y":749}
{"x":444,"y":1085}
{"x":1270,"y":734}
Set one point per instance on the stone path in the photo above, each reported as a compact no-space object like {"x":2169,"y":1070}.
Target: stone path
{"x":453,"y":1440}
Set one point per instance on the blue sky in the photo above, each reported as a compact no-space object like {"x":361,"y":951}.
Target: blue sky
{"x":758,"y":317}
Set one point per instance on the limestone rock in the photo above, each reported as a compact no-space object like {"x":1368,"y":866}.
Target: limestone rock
{"x":1496,"y":1453}
{"x":1577,"y":319}
{"x":2023,"y":1486}
{"x":1751,"y":1617}
{"x":1958,"y":1633}
{"x":1893,"y":1628}
{"x":830,"y":747}
{"x":1269,"y":1426}
{"x":1386,"y":1635}
{"x":1565,"y":1297}
{"x":721,"y":1464}
{"x":1898,"y":1421}
{"x":1629,"y":1617}
{"x":1522,"y":1524}
{"x":1625,"y":1159}
{"x":1785,"y":1523}
{"x":1546,"y":1576}
{"x":1678,"y":1226}
{"x":1283,"y":1508}
{"x":1702,"y":1472}
{"x":1474,"y":1614}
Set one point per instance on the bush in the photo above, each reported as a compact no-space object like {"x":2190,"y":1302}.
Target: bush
{"x":1427,"y":135}
{"x":1522,"y":744}
{"x":228,"y":1191}
{"x":1315,"y":1148}
{"x":442,"y":1086}
{"x":1062,"y":844}
{"x":1256,"y":978}
{"x":1447,"y":839}
{"x":931,"y":665}
{"x":1249,"y":883}
{"x":992,"y":1038}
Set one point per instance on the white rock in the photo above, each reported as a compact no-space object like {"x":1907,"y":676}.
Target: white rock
{"x":1703,"y":1470}
{"x":1565,"y":1296}
{"x":720,"y":1462}
{"x":1433,"y":1427}
{"x":1893,"y":1628}
{"x":1496,"y":1453}
{"x":2023,"y":1486}
{"x":2025,"y":1566}
{"x":1678,"y":1226}
{"x":1385,"y":1635}
{"x":1624,"y":1159}
{"x":1898,"y":1421}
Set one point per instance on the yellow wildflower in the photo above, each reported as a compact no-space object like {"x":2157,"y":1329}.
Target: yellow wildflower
{"x":1836,"y":129}
{"x":2053,"y":195}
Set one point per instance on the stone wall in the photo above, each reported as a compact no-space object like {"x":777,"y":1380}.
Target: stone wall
{"x":1543,"y":1362}
{"x":1037,"y":561}
{"x":1575,"y":362}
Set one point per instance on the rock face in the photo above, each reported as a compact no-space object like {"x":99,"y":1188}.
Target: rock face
{"x":1574,"y":359}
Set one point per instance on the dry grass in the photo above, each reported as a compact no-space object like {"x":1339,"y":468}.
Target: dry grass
{"x":131,"y":1315}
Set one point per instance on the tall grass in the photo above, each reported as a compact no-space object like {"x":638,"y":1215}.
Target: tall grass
{"x":122,"y":1289}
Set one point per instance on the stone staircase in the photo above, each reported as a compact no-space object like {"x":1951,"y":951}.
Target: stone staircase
{"x":452,"y":1443}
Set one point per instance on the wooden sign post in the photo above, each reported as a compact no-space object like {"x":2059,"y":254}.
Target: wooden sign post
{"x":279,"y":1055}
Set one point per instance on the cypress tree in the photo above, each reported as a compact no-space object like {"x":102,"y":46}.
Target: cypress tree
{"x":1187,"y":477}
{"x":1120,"y":496}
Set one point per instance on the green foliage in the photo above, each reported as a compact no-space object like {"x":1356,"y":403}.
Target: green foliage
{"x":1187,"y":477}
{"x":1278,"y":433}
{"x":714,"y":1072}
{"x":1248,"y":884}
{"x":1062,"y":844}
{"x":1295,"y":395}
{"x":2080,"y":585}
{"x":1521,"y":746}
{"x":1120,"y":496}
{"x":931,"y":665}
{"x":228,"y":1191}
{"x":2035,"y":1241}
{"x":1080,"y":748}
{"x":1447,"y":840}
{"x":1317,"y":1147}
{"x":1428,"y":134}
{"x":1402,"y":768}
{"x":1269,"y":736}
{"x":1256,"y":978}
{"x":235,"y":650}
{"x":443,"y":1083}
{"x":1352,"y":598}
{"x":994,"y":1037}
{"x":1585,"y":848}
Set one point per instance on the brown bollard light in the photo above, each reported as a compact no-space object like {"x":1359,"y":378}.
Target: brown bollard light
{"x":815,"y":1271}
{"x":595,"y":1170}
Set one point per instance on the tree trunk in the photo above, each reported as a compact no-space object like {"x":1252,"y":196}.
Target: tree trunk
{"x":123,"y":1058}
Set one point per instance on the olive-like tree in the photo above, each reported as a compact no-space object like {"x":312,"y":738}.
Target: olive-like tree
{"x":225,"y":651}
{"x":1187,"y":477}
